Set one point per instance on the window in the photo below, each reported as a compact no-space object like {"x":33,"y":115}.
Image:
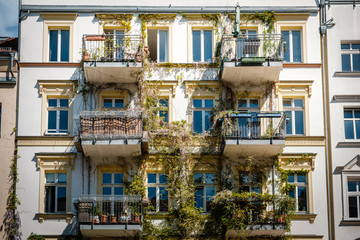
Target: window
{"x":298,"y":191}
{"x":350,"y":57}
{"x":202,"y":114}
{"x":250,"y":182}
{"x":114,"y":44}
{"x":293,"y":51}
{"x":294,"y":110}
{"x":112,"y":184}
{"x":248,"y":127}
{"x":164,"y":109}
{"x":352,"y":123}
{"x":55,"y":192}
{"x":59,"y":40}
{"x":204,"y":190}
{"x":113,"y":102}
{"x":157,"y":193}
{"x":58,"y":116}
{"x":202,"y":45}
{"x":158,"y":41}
{"x":247,"y":44}
{"x":353,"y":195}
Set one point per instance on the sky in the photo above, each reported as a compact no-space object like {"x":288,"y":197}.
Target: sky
{"x":8,"y":18}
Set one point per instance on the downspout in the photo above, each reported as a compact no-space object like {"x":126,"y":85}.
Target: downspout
{"x":325,"y":104}
{"x":12,"y":65}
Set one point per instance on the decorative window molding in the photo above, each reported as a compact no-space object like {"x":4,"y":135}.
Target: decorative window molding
{"x":56,"y":89}
{"x":300,"y":162}
{"x":54,"y":163}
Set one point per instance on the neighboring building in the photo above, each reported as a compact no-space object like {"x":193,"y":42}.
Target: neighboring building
{"x":8,"y":80}
{"x":342,"y":61}
{"x":100,"y":86}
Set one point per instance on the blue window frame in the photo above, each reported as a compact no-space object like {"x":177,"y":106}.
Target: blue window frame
{"x":350,"y":57}
{"x":59,"y":45}
{"x":352,"y":123}
{"x":58,"y":116}
{"x":293,"y":43}
{"x":202,"y":114}
{"x":202,"y":45}
{"x":112,"y":184}
{"x":157,"y":191}
{"x":294,"y":110}
{"x":113,"y":103}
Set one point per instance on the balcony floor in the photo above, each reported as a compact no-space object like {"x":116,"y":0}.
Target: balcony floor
{"x":110,"y":230}
{"x":112,"y":148}
{"x":256,"y":147}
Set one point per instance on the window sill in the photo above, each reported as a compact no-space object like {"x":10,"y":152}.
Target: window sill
{"x":56,"y":134}
{"x":349,"y":144}
{"x":307,"y":216}
{"x":347,"y":74}
{"x":66,"y":216}
{"x":349,"y":222}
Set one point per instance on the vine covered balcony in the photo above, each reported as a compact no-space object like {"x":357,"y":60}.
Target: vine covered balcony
{"x":109,"y":216}
{"x":253,"y":57}
{"x":110,"y":133}
{"x":112,"y":57}
{"x":260,"y":134}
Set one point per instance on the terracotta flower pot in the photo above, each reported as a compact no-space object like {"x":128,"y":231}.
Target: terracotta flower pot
{"x":103,"y":218}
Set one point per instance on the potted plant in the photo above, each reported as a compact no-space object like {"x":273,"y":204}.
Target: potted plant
{"x":103,"y":218}
{"x":96,"y":214}
{"x":113,"y":218}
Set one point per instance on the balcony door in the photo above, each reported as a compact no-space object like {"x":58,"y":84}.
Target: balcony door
{"x":249,"y":127}
{"x":158,"y":41}
{"x":114,"y":45}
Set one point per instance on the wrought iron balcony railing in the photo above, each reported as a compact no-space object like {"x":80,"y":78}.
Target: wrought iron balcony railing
{"x":125,"y":209}
{"x":258,"y":125}
{"x":110,"y":125}
{"x":112,"y":48}
{"x":252,"y":48}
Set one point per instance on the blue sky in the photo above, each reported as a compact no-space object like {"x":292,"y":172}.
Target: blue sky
{"x":8,"y":18}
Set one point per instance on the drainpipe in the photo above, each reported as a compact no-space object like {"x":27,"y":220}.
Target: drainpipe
{"x":323,"y":28}
{"x":12,"y":64}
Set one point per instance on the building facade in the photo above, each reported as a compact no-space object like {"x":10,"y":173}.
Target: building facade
{"x":154,"y":121}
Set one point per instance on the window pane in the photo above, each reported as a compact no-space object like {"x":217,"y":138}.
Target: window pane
{"x":285,"y":35}
{"x":52,"y":121}
{"x":53,"y":48}
{"x":118,"y":178}
{"x":106,"y":178}
{"x":298,"y":103}
{"x":345,"y":46}
{"x":355,"y":46}
{"x":352,"y":186}
{"x":162,"y":178}
{"x":65,"y":45}
{"x":164,"y":102}
{"x":288,"y":122}
{"x":357,"y":113}
{"x":291,"y":193}
{"x":301,"y":178}
{"x":152,"y":195}
{"x":63,"y":121}
{"x":50,"y":177}
{"x":356,"y":62}
{"x":199,"y":197}
{"x":348,"y":114}
{"x":52,"y":102}
{"x":345,"y":62}
{"x":207,"y":120}
{"x":210,"y":193}
{"x":254,"y":103}
{"x":251,"y":32}
{"x":119,"y":103}
{"x":353,"y":210}
{"x":64,"y":102}
{"x":290,"y":178}
{"x":210,"y":178}
{"x":287,"y":102}
{"x":61,"y":178}
{"x":349,"y":129}
{"x":296,"y":37}
{"x":357,"y":129}
{"x":164,"y":116}
{"x":50,"y":199}
{"x":106,"y":191}
{"x":107,"y":103}
{"x":256,"y":189}
{"x":198,"y":122}
{"x":163,"y":45}
{"x":242,"y":103}
{"x":196,"y":46}
{"x":209,"y":103}
{"x":163,"y":199}
{"x":197,"y":103}
{"x":118,"y":191}
{"x":243,"y":178}
{"x":208,"y":45}
{"x":151,"y":178}
{"x":302,"y":199}
{"x":299,"y":122}
{"x":198,"y":177}
{"x":61,"y":199}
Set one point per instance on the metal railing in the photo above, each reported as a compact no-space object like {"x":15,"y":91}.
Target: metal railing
{"x":112,"y":48}
{"x":110,"y":125}
{"x":258,"y":125}
{"x":125,"y":209}
{"x":252,"y":46}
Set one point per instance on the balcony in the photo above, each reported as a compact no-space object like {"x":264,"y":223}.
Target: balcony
{"x":258,"y":134}
{"x":110,"y":133}
{"x":112,"y":58}
{"x":105,"y":216}
{"x":256,"y":58}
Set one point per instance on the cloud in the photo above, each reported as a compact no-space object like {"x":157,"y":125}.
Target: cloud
{"x":9,"y":18}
